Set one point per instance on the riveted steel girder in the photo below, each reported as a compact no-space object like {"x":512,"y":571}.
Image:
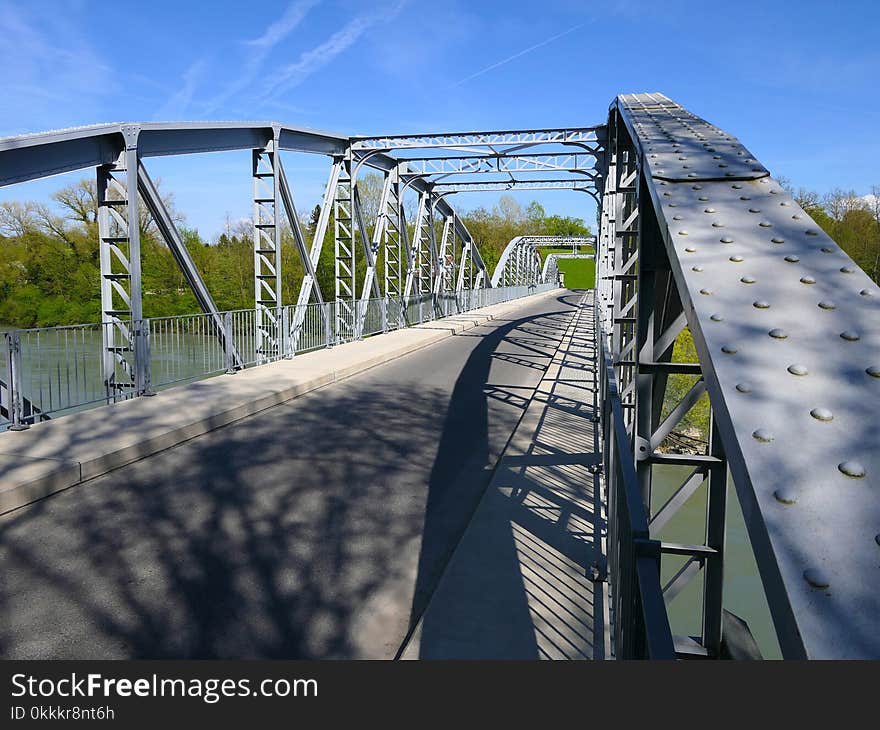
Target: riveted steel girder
{"x":786,"y":329}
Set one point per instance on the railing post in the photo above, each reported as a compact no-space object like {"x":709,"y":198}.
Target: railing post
{"x":142,"y":369}
{"x":284,"y":319}
{"x":228,"y":343}
{"x":330,"y":319}
{"x":13,"y":369}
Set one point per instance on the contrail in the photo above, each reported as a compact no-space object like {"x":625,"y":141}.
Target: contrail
{"x":517,"y":55}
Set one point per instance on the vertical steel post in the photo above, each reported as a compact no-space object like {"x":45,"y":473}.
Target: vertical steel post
{"x":13,"y":387}
{"x":344,"y":269}
{"x":228,"y":343}
{"x":267,"y":250}
{"x":716,"y":513}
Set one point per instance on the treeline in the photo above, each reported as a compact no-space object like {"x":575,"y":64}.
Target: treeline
{"x":850,"y":219}
{"x":50,"y":266}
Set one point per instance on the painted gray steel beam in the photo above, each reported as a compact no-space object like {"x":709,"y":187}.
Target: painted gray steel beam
{"x":153,"y":201}
{"x":296,"y":227}
{"x":576,"y":162}
{"x":581,"y":183}
{"x":32,"y":156}
{"x":469,"y":139}
{"x":787,"y":329}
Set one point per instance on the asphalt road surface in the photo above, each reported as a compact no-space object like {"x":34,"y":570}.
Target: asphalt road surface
{"x":316,"y":529}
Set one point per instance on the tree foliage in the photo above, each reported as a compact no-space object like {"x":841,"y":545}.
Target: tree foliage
{"x":50,"y":266}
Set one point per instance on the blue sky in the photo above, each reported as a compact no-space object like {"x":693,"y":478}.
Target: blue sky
{"x":796,"y":81}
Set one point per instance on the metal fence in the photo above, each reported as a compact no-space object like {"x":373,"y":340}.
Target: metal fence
{"x":53,"y":371}
{"x":640,"y":623}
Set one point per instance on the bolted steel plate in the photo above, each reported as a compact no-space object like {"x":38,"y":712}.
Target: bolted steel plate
{"x":788,"y":331}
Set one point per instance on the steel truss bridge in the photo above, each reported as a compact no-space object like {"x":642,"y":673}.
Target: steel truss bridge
{"x":694,"y":234}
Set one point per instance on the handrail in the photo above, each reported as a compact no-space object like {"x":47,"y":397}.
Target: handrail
{"x":54,"y":371}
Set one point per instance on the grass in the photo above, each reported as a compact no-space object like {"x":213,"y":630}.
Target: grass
{"x":544,"y":250}
{"x":579,"y":273}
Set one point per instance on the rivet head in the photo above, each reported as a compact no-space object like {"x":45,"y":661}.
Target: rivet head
{"x":877,"y":538}
{"x":822,"y":414}
{"x":847,"y":270}
{"x":792,"y":259}
{"x":786,"y":495}
{"x":677,"y":217}
{"x":777,"y":239}
{"x":798,"y":369}
{"x":716,"y":317}
{"x":709,"y":210}
{"x":849,"y":335}
{"x":761,"y":304}
{"x":754,"y":210}
{"x":852,"y":469}
{"x":690,"y":249}
{"x":696,"y":268}
{"x":873,"y":371}
{"x":762,"y":435}
{"x":778,"y":334}
{"x":825,"y":249}
{"x":816,"y":578}
{"x":744,"y":387}
{"x":696,"y":187}
{"x":729,"y":349}
{"x":703,"y":199}
{"x":726,"y":239}
{"x":866,"y":293}
{"x":682,"y":233}
{"x":706,"y":292}
{"x":765,"y":224}
{"x":748,"y":279}
{"x":745,"y":197}
{"x":807,"y":280}
{"x":812,"y":233}
{"x":717,"y":224}
{"x":736,"y":186}
{"x":737,"y":259}
{"x":827,"y":304}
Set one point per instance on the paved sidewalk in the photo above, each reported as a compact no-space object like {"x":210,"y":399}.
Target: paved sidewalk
{"x":518,"y":585}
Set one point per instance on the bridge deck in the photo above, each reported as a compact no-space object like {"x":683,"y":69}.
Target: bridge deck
{"x":315,"y":529}
{"x":518,"y":586}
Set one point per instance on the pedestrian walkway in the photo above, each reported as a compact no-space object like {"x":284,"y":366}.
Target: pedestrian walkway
{"x":526,"y":580}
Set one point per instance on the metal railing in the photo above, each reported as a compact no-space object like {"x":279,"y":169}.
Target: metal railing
{"x":54,"y":371}
{"x":640,"y":623}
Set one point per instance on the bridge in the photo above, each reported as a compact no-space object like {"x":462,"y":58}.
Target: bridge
{"x":434,"y":459}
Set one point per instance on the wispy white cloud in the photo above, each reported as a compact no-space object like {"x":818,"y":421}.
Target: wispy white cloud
{"x":178,"y":104}
{"x":260,"y":48}
{"x":257,"y":51}
{"x":281,"y":28}
{"x":48,"y":65}
{"x":313,"y":60}
{"x":519,"y":54}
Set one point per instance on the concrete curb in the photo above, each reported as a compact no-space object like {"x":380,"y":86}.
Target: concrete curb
{"x":62,"y":453}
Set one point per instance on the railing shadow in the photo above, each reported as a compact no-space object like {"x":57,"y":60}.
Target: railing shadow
{"x":518,"y":585}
